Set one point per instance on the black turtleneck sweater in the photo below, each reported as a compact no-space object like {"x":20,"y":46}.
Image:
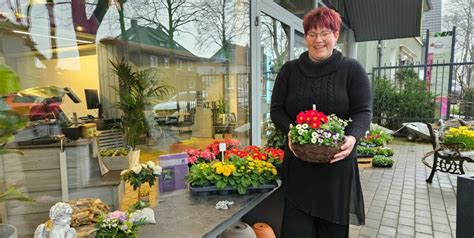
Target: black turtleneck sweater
{"x":337,"y":85}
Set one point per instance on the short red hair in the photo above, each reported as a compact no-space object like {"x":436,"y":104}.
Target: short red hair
{"x":322,"y":17}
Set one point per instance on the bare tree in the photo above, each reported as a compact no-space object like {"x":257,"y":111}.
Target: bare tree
{"x":221,"y":22}
{"x":275,"y":35}
{"x":460,"y":14}
{"x":177,"y":13}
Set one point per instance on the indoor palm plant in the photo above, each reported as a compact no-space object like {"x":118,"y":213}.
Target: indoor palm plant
{"x":136,"y":88}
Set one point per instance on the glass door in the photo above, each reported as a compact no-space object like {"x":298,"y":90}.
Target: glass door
{"x":274,"y":45}
{"x":277,"y":37}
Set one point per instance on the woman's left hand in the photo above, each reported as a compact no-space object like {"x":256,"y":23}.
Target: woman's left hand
{"x":346,"y":149}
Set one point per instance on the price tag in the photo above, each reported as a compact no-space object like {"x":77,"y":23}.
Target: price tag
{"x":222,"y":147}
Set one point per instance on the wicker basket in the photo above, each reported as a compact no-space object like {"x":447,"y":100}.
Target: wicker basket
{"x":315,"y":153}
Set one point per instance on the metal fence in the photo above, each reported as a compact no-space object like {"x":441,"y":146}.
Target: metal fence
{"x":420,"y":93}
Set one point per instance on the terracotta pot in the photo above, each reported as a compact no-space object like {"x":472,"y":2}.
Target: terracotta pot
{"x":263,"y":230}
{"x":239,"y":230}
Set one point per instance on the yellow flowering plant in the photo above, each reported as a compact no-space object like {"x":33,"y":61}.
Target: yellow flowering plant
{"x":462,"y":135}
{"x":239,"y":173}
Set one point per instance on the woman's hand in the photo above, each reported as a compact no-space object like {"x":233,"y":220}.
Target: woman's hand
{"x":346,"y":149}
{"x":289,"y":144}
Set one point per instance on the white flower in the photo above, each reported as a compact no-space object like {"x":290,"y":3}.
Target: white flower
{"x":327,"y":135}
{"x":314,"y":135}
{"x":123,"y":172}
{"x":150,"y":164}
{"x":314,"y":140}
{"x":300,"y":131}
{"x":298,"y":126}
{"x":305,"y":126}
{"x":137,"y":169}
{"x":335,"y":137}
{"x":157,"y":170}
{"x":320,"y":141}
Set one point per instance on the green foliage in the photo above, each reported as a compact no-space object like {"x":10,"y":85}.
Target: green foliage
{"x":377,"y":137}
{"x":239,"y":173}
{"x":136,"y":88}
{"x":275,"y":138}
{"x":382,"y":161}
{"x":13,"y":194}
{"x":384,"y":151}
{"x":410,"y":100}
{"x":9,"y":80}
{"x":372,"y":151}
{"x":114,"y":152}
{"x":137,"y":206}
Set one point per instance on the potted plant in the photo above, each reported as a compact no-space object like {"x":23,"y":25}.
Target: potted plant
{"x":382,"y":161}
{"x":11,"y":194}
{"x":140,"y":174}
{"x":119,"y":224}
{"x":115,"y":158}
{"x":233,"y":174}
{"x":136,"y":89}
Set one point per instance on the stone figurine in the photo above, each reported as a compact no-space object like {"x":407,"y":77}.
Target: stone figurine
{"x":60,"y":214}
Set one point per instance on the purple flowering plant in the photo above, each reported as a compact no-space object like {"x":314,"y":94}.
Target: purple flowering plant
{"x":118,"y":224}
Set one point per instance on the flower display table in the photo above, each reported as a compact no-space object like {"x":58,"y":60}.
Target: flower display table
{"x":180,"y":214}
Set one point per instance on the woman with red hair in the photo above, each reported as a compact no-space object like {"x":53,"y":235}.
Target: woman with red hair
{"x":322,"y":199}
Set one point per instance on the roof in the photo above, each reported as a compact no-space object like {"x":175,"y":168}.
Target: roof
{"x":151,"y":36}
{"x":384,"y":19}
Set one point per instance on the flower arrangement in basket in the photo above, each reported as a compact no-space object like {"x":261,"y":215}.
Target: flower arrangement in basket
{"x":316,"y":137}
{"x":118,"y":224}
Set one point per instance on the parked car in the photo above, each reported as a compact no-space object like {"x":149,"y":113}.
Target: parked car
{"x":183,"y":101}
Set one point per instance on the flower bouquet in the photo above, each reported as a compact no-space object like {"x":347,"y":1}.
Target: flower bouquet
{"x":316,"y":137}
{"x":118,"y":224}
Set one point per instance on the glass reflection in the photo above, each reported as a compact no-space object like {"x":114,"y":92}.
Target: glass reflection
{"x":67,"y":48}
{"x":275,"y":52}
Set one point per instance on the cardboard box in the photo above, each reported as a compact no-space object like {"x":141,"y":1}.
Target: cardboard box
{"x":175,"y":168}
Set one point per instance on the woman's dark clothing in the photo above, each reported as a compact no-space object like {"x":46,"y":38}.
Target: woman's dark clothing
{"x":337,"y":85}
{"x":297,"y":223}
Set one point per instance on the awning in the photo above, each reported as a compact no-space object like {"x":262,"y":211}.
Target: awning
{"x":384,"y":19}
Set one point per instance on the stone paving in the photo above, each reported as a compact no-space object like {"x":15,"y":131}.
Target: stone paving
{"x":399,"y":202}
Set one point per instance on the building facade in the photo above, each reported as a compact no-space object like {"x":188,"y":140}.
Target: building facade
{"x":219,"y":59}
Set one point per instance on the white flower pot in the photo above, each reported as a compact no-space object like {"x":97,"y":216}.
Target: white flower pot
{"x":8,"y":231}
{"x":116,"y":162}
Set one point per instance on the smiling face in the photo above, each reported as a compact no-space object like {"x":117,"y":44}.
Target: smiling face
{"x":321,"y":43}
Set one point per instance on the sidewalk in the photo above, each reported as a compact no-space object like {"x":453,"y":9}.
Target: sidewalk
{"x":398,"y":201}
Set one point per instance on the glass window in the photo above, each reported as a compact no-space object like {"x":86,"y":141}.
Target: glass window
{"x":153,"y":61}
{"x":65,"y":65}
{"x":300,"y":44}
{"x":275,"y":52}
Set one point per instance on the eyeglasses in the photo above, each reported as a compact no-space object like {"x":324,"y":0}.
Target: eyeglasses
{"x":322,"y":35}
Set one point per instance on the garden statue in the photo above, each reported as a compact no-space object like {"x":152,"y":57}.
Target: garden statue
{"x":60,"y":214}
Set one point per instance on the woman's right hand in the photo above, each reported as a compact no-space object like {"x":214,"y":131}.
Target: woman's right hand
{"x":289,"y":144}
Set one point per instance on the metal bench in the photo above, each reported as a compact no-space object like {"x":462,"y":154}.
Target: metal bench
{"x":446,"y":158}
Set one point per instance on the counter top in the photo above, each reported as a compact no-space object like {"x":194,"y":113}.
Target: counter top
{"x":180,"y":214}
